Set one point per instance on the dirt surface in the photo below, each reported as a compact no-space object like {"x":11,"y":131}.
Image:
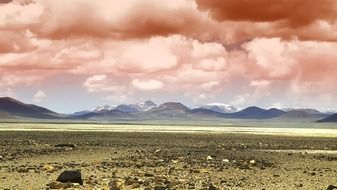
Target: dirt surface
{"x":112,"y":160}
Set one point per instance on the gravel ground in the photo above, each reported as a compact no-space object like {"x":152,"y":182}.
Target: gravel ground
{"x":120,"y":160}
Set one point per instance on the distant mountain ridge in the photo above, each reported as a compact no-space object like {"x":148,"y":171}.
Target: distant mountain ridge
{"x":256,"y":113}
{"x":148,"y":110}
{"x":140,"y":107}
{"x":169,"y":109}
{"x":128,"y":108}
{"x":303,"y":115}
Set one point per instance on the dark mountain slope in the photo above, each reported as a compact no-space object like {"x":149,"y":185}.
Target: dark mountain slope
{"x":168,"y":109}
{"x":330,"y":119}
{"x":255,"y":113}
{"x":302,"y":115}
{"x":202,"y":112}
{"x":12,"y":107}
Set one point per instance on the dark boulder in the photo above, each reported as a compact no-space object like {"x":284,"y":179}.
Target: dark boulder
{"x":331,"y":187}
{"x":66,"y":145}
{"x":70,"y":177}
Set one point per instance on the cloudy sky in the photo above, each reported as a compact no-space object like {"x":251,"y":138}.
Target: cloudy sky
{"x":73,"y":55}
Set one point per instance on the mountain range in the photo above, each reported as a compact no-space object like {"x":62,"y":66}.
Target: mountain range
{"x":148,"y":110}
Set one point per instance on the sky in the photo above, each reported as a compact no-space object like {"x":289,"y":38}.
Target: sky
{"x":74,"y":55}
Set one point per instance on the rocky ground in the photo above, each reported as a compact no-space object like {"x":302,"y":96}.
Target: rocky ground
{"x":34,"y":160}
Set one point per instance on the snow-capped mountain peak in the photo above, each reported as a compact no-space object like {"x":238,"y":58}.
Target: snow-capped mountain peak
{"x":147,"y":105}
{"x":103,"y":108}
{"x":139,"y":107}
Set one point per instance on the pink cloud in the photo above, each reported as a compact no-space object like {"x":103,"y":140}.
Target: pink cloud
{"x":171,"y":46}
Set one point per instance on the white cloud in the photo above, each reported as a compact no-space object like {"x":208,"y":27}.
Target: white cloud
{"x":99,"y":83}
{"x":216,"y":64}
{"x":277,"y":105}
{"x":147,"y":85}
{"x":272,"y":55}
{"x":209,"y":85}
{"x":39,"y":96}
{"x":239,"y":100}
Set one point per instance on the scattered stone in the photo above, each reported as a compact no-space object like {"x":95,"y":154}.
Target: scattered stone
{"x":22,"y":170}
{"x":300,"y":185}
{"x":117,"y":184}
{"x":48,"y":168}
{"x":209,"y":158}
{"x":66,"y":145}
{"x":148,"y":175}
{"x":225,"y":160}
{"x":160,"y":188}
{"x":92,"y":180}
{"x":252,"y":162}
{"x":146,"y":182}
{"x":59,"y":185}
{"x":55,"y":185}
{"x":202,"y":171}
{"x":70,"y":176}
{"x":212,"y":187}
{"x":157,"y":151}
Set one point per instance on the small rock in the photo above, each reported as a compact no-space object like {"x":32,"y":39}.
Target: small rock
{"x":66,"y":145}
{"x":116,"y":184}
{"x":225,"y":160}
{"x":31,"y":170}
{"x":209,"y":158}
{"x":22,"y":170}
{"x":104,"y":184}
{"x":212,"y":187}
{"x":202,"y":171}
{"x":160,"y":188}
{"x":148,"y":175}
{"x":146,"y":182}
{"x":70,"y":176}
{"x":48,"y":168}
{"x":92,"y":180}
{"x":55,"y":185}
{"x":252,"y":161}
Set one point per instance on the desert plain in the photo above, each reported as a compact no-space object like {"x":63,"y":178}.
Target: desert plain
{"x":172,"y":157}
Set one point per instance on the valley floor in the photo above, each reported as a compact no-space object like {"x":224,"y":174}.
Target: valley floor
{"x":138,"y":160}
